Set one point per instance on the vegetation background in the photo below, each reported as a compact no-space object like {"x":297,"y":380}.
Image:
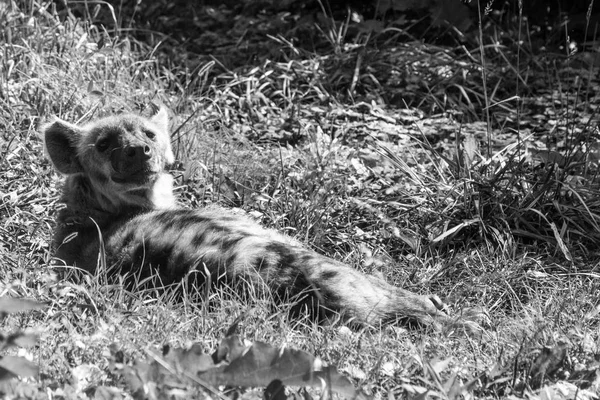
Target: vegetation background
{"x":450,"y":147}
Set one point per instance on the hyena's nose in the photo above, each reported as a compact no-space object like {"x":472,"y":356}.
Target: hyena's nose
{"x":137,"y":153}
{"x":130,"y":158}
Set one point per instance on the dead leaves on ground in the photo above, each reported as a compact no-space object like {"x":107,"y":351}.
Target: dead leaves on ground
{"x":235,"y":363}
{"x":12,"y":366}
{"x":190,"y":372}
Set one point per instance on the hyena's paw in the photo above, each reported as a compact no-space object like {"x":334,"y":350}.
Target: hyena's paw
{"x":439,"y":304}
{"x":467,"y":320}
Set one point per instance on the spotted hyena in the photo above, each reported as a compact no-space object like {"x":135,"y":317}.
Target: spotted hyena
{"x":120,"y":212}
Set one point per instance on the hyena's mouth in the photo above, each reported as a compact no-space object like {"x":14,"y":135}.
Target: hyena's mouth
{"x":133,"y":165}
{"x":137,"y":179}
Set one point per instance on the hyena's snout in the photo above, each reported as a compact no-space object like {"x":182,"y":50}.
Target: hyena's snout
{"x":132,"y":163}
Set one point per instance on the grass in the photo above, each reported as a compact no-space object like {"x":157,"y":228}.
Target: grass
{"x":507,"y":232}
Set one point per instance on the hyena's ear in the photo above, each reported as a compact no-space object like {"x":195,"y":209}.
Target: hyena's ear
{"x":161,"y":120}
{"x":61,"y":140}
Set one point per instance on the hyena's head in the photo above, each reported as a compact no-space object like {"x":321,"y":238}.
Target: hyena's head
{"x":123,"y":157}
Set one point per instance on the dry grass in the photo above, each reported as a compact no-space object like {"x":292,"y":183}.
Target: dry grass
{"x":510,"y":232}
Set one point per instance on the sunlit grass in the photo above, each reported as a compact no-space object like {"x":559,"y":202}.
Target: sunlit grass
{"x":286,"y":142}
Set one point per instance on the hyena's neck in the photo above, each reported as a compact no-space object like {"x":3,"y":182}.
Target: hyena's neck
{"x":85,"y":199}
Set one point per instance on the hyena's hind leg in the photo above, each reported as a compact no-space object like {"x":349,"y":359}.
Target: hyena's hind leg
{"x":375,"y":300}
{"x":368,"y":299}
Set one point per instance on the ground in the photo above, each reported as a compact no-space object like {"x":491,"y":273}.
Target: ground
{"x":375,"y":149}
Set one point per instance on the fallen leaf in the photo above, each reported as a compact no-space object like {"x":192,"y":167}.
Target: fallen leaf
{"x":546,"y":363}
{"x":259,"y":364}
{"x":10,"y":305}
{"x":18,"y":366}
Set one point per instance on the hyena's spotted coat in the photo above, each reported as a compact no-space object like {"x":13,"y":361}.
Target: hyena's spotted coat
{"x":120,"y":208}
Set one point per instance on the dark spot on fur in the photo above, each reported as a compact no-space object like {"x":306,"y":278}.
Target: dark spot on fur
{"x":199,"y":238}
{"x":230,"y":242}
{"x":306,"y":259}
{"x":228,"y":218}
{"x":128,"y":238}
{"x":151,"y":256}
{"x":231,"y":260}
{"x":287,"y":255}
{"x":170,"y":225}
{"x":330,"y":297}
{"x":307,"y":300}
{"x":329,"y":275}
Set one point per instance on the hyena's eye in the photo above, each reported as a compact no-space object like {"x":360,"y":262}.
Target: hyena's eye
{"x":151,"y":135}
{"x":102,"y":145}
